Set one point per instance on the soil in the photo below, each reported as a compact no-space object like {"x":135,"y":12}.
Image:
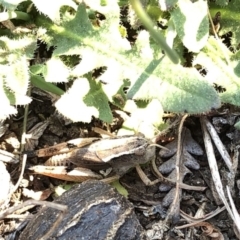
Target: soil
{"x":148,"y":200}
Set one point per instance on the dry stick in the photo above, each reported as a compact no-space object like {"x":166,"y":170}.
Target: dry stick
{"x":218,"y":143}
{"x":213,"y":166}
{"x":231,"y":163}
{"x":195,"y":221}
{"x":232,"y":175}
{"x":175,"y":202}
{"x":60,"y":207}
{"x":24,"y":160}
{"x":10,"y":210}
{"x":172,"y":182}
{"x":14,"y":188}
{"x":234,"y":211}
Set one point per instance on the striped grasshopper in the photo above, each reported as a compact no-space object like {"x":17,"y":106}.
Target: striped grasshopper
{"x":80,"y":159}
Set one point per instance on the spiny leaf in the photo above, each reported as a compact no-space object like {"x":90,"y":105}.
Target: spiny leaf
{"x":88,"y":100}
{"x":17,"y":77}
{"x":145,"y":118}
{"x":191,"y":23}
{"x":52,"y":9}
{"x":153,"y":79}
{"x":98,"y":99}
{"x":7,"y":98}
{"x":13,"y":49}
{"x":166,"y":5}
{"x":219,"y":72}
{"x":178,"y":89}
{"x":229,"y":19}
{"x":56,"y":71}
{"x":14,"y":75}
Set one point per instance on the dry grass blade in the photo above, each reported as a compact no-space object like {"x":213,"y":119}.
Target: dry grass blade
{"x":60,"y":207}
{"x":10,"y":210}
{"x":103,"y":132}
{"x":24,"y":160}
{"x":8,"y":157}
{"x":34,"y":134}
{"x":213,"y":166}
{"x":18,"y":182}
{"x":218,"y":143}
{"x":193,"y":221}
{"x":199,"y":221}
{"x":182,"y":185}
{"x":235,"y":214}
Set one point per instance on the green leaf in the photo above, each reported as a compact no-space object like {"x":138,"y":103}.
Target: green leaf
{"x":166,"y":5}
{"x":52,"y":10}
{"x":17,"y":77}
{"x":11,"y":4}
{"x":145,"y":118}
{"x":98,"y":99}
{"x":219,"y":71}
{"x":151,"y":76}
{"x":39,"y":82}
{"x":14,"y":49}
{"x":14,"y":74}
{"x":51,"y":75}
{"x":222,"y":3}
{"x":191,"y":23}
{"x":229,"y":19}
{"x":7,"y":98}
{"x":122,"y":190}
{"x":79,"y":105}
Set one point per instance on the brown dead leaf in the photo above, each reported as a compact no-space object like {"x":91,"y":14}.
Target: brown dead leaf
{"x":210,"y":231}
{"x":34,"y":134}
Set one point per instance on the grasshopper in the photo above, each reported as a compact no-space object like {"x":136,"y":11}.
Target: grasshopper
{"x":120,"y":153}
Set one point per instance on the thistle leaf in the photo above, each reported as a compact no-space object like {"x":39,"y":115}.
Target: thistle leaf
{"x":145,"y":118}
{"x":51,"y":75}
{"x":219,"y":71}
{"x":150,"y":74}
{"x":52,"y":10}
{"x":229,"y":19}
{"x":17,"y":77}
{"x":191,"y":23}
{"x":85,"y":104}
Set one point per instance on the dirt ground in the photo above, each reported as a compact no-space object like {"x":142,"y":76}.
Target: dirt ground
{"x":152,"y":203}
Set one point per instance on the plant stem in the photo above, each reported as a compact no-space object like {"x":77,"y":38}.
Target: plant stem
{"x":4,"y":16}
{"x":156,"y":35}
